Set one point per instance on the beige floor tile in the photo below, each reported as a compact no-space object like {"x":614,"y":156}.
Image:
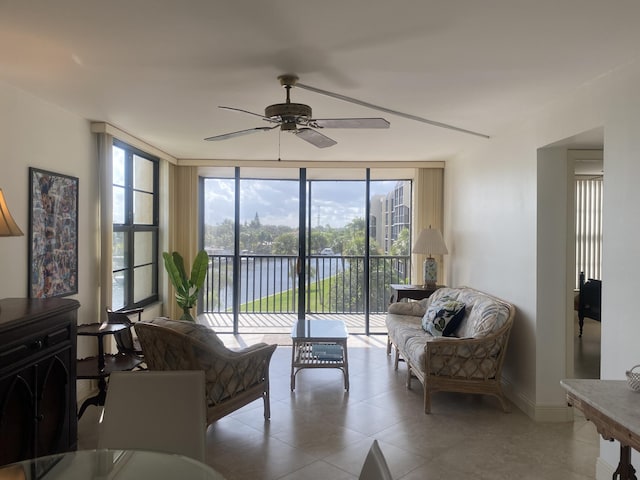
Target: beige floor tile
{"x":352,"y":458}
{"x":319,"y":470}
{"x":319,"y":438}
{"x":266,"y":459}
{"x":320,"y":431}
{"x":370,"y":419}
{"x":436,"y":471}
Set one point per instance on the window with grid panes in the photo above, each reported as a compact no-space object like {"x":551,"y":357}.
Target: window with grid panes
{"x":135,"y":227}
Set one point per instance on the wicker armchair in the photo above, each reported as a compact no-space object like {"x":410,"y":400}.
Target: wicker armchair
{"x":233,"y":378}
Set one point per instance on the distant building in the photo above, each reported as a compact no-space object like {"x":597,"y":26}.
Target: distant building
{"x":390,"y":214}
{"x":376,"y":220}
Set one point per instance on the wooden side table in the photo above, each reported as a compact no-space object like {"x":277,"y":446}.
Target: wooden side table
{"x":101,"y":366}
{"x":414,"y":292}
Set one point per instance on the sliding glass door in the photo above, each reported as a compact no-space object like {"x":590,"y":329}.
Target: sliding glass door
{"x":336,"y":253}
{"x":302,"y":245}
{"x":269,"y":238}
{"x":252,"y":234}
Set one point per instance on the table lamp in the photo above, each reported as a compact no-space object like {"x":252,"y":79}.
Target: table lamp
{"x":8,"y":226}
{"x":430,"y":242}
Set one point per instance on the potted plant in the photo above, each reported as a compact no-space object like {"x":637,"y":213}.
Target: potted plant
{"x":187,"y":287}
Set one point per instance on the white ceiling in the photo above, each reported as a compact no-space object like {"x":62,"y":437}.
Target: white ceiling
{"x":158,"y":69}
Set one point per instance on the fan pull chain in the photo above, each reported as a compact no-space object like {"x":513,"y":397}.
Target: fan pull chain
{"x":279,"y":137}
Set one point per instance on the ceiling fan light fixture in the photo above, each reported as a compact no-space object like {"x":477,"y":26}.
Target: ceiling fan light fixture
{"x":286,"y":111}
{"x":290,"y":116}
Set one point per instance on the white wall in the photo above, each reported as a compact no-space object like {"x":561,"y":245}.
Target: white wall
{"x":552,"y":282}
{"x":490,"y":226}
{"x":621,"y":229}
{"x":493,"y":211}
{"x":37,"y":134}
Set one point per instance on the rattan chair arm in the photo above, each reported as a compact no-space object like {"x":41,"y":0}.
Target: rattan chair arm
{"x":254,"y":356}
{"x":251,"y":349}
{"x":255,"y":351}
{"x":229,"y":375}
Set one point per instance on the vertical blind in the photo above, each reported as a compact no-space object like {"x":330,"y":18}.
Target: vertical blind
{"x":588,"y":227}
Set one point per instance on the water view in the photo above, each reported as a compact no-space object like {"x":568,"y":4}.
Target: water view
{"x":343,"y":244}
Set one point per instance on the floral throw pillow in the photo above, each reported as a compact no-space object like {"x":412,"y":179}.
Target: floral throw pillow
{"x":443,"y":317}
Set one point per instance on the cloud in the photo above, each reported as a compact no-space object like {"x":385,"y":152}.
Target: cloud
{"x":334,"y":203}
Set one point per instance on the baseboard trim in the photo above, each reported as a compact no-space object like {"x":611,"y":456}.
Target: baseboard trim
{"x":539,"y":413}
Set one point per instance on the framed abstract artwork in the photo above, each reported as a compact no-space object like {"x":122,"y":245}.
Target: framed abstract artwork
{"x":53,"y":234}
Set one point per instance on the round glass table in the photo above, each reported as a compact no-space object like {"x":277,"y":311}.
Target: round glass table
{"x":109,"y":464}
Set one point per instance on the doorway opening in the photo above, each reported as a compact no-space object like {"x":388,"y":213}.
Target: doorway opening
{"x":588,"y":169}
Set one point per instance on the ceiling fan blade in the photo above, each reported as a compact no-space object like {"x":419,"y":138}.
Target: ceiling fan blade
{"x":349,"y":123}
{"x":388,"y":110}
{"x":250,"y":113}
{"x":239,"y":133}
{"x":314,"y":137}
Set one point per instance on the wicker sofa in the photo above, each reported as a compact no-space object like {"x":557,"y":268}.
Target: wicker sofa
{"x":233,"y":378}
{"x":468,"y":361}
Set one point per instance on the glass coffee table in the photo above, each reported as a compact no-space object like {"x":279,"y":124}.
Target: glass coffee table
{"x":319,"y":344}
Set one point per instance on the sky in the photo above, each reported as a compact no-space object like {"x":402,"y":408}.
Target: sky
{"x":334,"y":203}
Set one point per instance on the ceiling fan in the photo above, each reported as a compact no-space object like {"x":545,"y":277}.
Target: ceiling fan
{"x":297,"y":119}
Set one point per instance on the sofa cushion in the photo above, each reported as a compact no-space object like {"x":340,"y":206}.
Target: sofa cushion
{"x":403,"y":327}
{"x":201,"y":333}
{"x":487,"y":315}
{"x":443,"y":316}
{"x":484,"y":314}
{"x":417,"y":309}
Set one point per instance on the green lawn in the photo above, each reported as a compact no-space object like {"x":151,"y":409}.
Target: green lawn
{"x":283,"y":301}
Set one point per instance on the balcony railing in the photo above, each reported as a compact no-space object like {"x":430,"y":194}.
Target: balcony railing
{"x":334,"y":283}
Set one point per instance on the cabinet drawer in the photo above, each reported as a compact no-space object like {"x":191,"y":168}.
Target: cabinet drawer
{"x":35,"y":345}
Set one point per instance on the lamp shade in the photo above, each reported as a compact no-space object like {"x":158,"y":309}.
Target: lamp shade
{"x":430,"y":242}
{"x":8,"y":226}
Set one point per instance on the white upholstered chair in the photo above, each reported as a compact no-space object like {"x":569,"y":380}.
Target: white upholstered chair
{"x":160,"y":411}
{"x":375,"y":466}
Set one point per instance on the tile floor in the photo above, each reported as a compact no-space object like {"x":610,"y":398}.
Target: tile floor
{"x":322,"y":432}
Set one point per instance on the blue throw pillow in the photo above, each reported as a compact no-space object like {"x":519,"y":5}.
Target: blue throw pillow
{"x":443,"y":317}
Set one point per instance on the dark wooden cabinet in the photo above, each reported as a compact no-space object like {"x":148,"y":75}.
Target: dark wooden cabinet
{"x":37,"y":377}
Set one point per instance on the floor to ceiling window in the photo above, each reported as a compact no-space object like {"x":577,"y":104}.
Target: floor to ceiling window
{"x":390,"y":239}
{"x":336,"y":248}
{"x":338,"y":242}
